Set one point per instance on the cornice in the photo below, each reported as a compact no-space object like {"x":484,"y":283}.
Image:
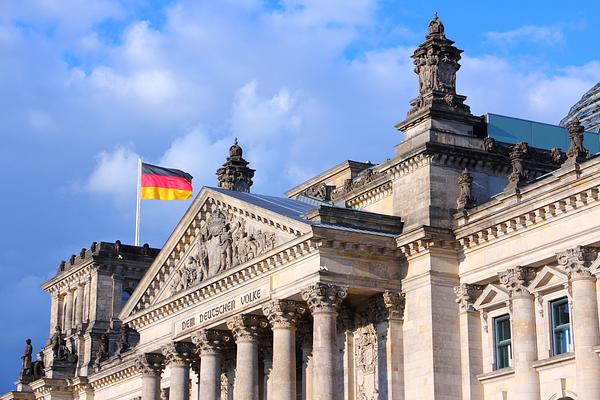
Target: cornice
{"x":424,"y":239}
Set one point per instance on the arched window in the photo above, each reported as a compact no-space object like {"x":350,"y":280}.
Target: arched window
{"x":125,"y":295}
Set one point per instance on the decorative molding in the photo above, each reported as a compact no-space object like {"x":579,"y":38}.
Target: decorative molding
{"x":577,"y":261}
{"x":178,"y":353}
{"x":247,"y":327}
{"x":466,"y":295}
{"x":516,"y":280}
{"x":324,"y":297}
{"x":211,"y":341}
{"x":283,"y":313}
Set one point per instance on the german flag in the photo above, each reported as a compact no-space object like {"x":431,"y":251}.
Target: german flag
{"x":161,"y":183}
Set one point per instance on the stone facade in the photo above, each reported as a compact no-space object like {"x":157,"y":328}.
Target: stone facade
{"x":415,"y":278}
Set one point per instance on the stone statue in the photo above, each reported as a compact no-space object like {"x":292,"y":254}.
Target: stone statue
{"x":465,"y":198}
{"x":576,"y":153}
{"x":123,"y":344}
{"x":26,"y":359}
{"x":517,"y":177}
{"x":102,"y":352}
{"x":223,"y":242}
{"x":57,"y":344}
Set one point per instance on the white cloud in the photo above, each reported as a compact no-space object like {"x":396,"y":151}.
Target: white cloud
{"x":547,"y":35}
{"x":114,"y":175}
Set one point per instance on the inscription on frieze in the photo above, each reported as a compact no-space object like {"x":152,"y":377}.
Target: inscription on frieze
{"x":221,"y":309}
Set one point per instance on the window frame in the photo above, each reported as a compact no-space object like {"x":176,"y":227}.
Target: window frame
{"x":505,"y":342}
{"x":554,"y":328}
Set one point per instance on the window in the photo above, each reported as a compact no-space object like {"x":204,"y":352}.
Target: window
{"x":503,"y":342}
{"x":561,"y":326}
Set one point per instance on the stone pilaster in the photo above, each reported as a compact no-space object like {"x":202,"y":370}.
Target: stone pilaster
{"x":68,"y":316}
{"x":527,"y":382}
{"x":324,"y":301}
{"x":178,"y":356}
{"x":54,"y":313}
{"x":586,"y":335}
{"x":150,"y":365}
{"x":283,"y":316}
{"x":209,"y":344}
{"x":246,"y":330}
{"x":470,"y":339}
{"x":79,"y":306}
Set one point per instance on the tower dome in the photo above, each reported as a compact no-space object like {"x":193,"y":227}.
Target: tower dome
{"x":586,"y":110}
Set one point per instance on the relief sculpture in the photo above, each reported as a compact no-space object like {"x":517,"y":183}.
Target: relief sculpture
{"x":223,"y":242}
{"x":365,"y":339}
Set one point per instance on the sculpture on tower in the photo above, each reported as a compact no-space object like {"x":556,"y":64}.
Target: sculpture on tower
{"x":235,"y":174}
{"x":436,"y":64}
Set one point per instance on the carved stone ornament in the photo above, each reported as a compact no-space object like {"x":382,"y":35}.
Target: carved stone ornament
{"x":210,"y":341}
{"x":576,"y":153}
{"x":366,"y":356}
{"x":247,"y":327}
{"x":283,"y":313}
{"x":465,"y":198}
{"x":517,"y":177}
{"x":466,"y":295}
{"x":386,"y":306}
{"x":150,"y":364}
{"x":324,"y":297}
{"x":319,"y":191}
{"x":577,"y":261}
{"x":178,"y":353}
{"x":235,"y":173}
{"x":516,"y":280}
{"x":223,"y":242}
{"x":362,"y":180}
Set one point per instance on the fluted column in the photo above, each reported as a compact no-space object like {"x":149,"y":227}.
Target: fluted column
{"x":324,"y":301}
{"x":471,"y":360}
{"x":68,"y":317}
{"x":527,"y":382}
{"x":577,"y":262}
{"x":150,"y":365}
{"x":210,"y":344}
{"x":283,"y":316}
{"x":79,"y":305}
{"x":246,"y":330}
{"x":178,"y":357}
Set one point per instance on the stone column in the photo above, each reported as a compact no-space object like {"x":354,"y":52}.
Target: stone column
{"x":584,"y":322}
{"x":246,"y":330}
{"x":471,"y":360}
{"x":178,"y":357}
{"x":150,"y":365}
{"x":54,"y":313}
{"x":283,"y":316}
{"x":79,"y":306}
{"x":524,"y":342}
{"x":209,"y":343}
{"x":324,"y":301}
{"x":68,"y":317}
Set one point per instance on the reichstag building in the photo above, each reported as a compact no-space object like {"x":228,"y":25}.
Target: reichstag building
{"x":463,"y":267}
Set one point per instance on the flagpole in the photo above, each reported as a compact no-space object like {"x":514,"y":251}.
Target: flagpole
{"x":138,"y":201}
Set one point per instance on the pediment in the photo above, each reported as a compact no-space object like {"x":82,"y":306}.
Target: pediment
{"x":219,"y":232}
{"x":548,"y":278}
{"x":492,"y":295}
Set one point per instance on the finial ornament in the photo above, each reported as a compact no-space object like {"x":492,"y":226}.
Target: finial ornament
{"x":518,"y":176}
{"x":235,"y":173}
{"x":576,"y":153}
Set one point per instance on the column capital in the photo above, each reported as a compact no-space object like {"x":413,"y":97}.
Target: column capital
{"x":387,"y":306}
{"x":210,"y":341}
{"x":516,"y":280}
{"x":283,"y":313}
{"x":150,"y":364}
{"x":247,"y":327}
{"x":178,"y":354}
{"x":466,"y":294}
{"x":577,"y":261}
{"x":324,"y":297}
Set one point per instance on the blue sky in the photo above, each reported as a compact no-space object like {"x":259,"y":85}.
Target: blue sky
{"x":87,"y":86}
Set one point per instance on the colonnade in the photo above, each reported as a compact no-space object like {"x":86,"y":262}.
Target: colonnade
{"x":68,"y":310}
{"x":320,"y":299}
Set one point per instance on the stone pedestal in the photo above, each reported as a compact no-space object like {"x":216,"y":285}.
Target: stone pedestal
{"x":246,"y":330}
{"x":586,"y":334}
{"x":283,"y":316}
{"x":178,"y":357}
{"x":150,"y":365}
{"x":324,"y":301}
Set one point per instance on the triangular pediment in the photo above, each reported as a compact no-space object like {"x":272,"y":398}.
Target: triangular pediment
{"x":492,"y":295}
{"x":220,"y":231}
{"x":548,"y":278}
